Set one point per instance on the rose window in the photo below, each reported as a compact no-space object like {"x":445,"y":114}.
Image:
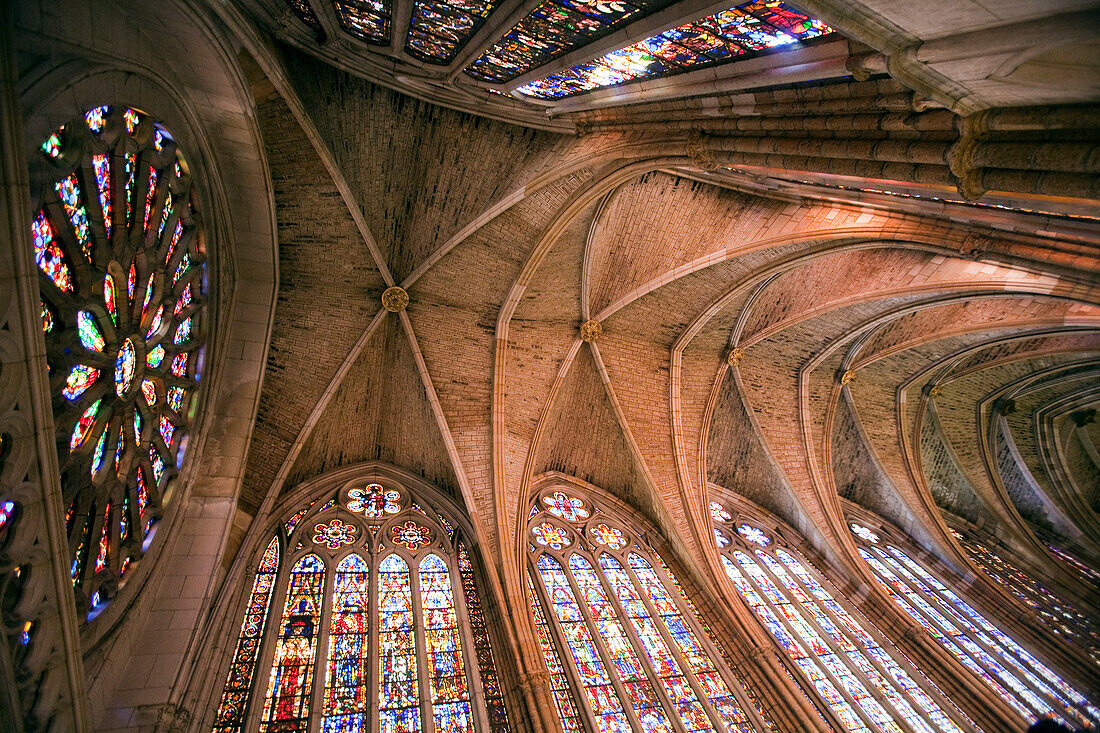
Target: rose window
{"x":122,"y":281}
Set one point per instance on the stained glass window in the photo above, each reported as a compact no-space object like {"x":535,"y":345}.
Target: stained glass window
{"x":1059,"y":615}
{"x":440,"y":28}
{"x":556,"y":27}
{"x":1028,"y":686}
{"x":630,"y":647}
{"x":369,"y":20}
{"x":384,"y":630}
{"x":91,"y":228}
{"x":230,"y":716}
{"x":856,"y":674}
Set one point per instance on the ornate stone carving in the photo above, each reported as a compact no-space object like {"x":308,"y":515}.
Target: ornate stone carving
{"x":974,"y":245}
{"x":700,"y":156}
{"x":735,"y":356}
{"x":591,"y":330}
{"x":847,"y":376}
{"x":395,"y":299}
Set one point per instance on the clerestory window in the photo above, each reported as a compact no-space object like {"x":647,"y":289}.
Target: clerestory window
{"x":365,"y":615}
{"x":624,"y":646}
{"x":1025,"y":683}
{"x":856,"y":672}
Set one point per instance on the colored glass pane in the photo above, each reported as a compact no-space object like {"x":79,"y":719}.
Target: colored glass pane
{"x":84,"y":426}
{"x":183,"y":301}
{"x":124,"y":520}
{"x":77,"y":569}
{"x":559,"y":685}
{"x":742,"y":31}
{"x":179,"y":364}
{"x":128,"y":174}
{"x":174,"y":397}
{"x":286,"y":706}
{"x":7,"y":511}
{"x":154,"y":356}
{"x":603,"y":701}
{"x":125,"y":363}
{"x":346,"y":703}
{"x":173,"y":242}
{"x":142,"y":492}
{"x":96,"y":118}
{"x":334,"y":534}
{"x":492,"y":695}
{"x":230,"y":715}
{"x":1025,"y":683}
{"x":305,"y":13}
{"x":131,"y":119}
{"x":52,"y":145}
{"x":718,"y":513}
{"x":569,"y":508}
{"x":47,"y":318}
{"x":398,"y":692}
{"x":120,"y":445}
{"x":166,"y":429}
{"x":155,"y":324}
{"x":367,"y":19}
{"x":860,"y":531}
{"x":447,"y":680}
{"x":165,"y":215}
{"x":624,"y":661}
{"x":440,"y":28}
{"x":150,"y":197}
{"x":148,"y":294}
{"x":697,"y":660}
{"x":80,"y":378}
{"x":183,"y":331}
{"x":48,"y":254}
{"x":604,"y":535}
{"x":753,"y":534}
{"x":662,"y":659}
{"x":149,"y":392}
{"x":104,"y":541}
{"x":550,"y":535}
{"x":721,"y":538}
{"x":91,"y":337}
{"x":373,"y":501}
{"x":97,"y":455}
{"x":68,"y":190}
{"x":109,"y":297}
{"x":157,"y":464}
{"x":101,"y":166}
{"x":411,"y":535}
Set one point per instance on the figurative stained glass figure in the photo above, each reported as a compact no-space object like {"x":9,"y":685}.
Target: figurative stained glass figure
{"x":346,"y":703}
{"x":374,"y":502}
{"x":624,"y":633}
{"x":569,"y":508}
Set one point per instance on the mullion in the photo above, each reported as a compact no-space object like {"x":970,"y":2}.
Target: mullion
{"x":813,"y":656}
{"x":640,"y":650}
{"x":844,"y":655}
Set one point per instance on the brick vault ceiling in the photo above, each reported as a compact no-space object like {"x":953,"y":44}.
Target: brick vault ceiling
{"x":873,"y":349}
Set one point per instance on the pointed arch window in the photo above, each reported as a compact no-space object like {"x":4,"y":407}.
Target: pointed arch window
{"x":625,"y":651}
{"x":374,"y":622}
{"x":123,"y":285}
{"x":1059,"y":615}
{"x":1026,"y":684}
{"x":857,"y":673}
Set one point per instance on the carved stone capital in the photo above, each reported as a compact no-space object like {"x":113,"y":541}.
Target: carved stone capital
{"x":532,"y":680}
{"x":700,"y":156}
{"x":165,"y":718}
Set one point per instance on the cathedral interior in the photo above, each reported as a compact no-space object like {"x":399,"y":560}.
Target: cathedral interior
{"x":617,"y":366}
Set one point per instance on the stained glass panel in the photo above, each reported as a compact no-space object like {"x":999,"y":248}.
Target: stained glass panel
{"x":448,"y":683}
{"x":569,"y":508}
{"x":72,"y":201}
{"x":48,"y":254}
{"x":346,"y":703}
{"x":550,"y":535}
{"x":367,"y":19}
{"x":230,"y":715}
{"x":742,"y":31}
{"x":492,"y":695}
{"x":603,"y":701}
{"x":286,"y":706}
{"x":398,"y":694}
{"x":440,"y":28}
{"x":373,"y":501}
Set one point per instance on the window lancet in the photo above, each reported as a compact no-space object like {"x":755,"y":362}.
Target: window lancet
{"x":379,"y":624}
{"x":1029,"y":686}
{"x":618,"y":640}
{"x":861,"y":679}
{"x":122,"y":297}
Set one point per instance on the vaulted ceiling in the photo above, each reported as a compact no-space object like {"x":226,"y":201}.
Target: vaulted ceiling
{"x":793,"y":346}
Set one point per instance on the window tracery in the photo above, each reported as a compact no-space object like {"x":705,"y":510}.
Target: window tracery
{"x":1027,"y":685}
{"x":618,"y":640}
{"x":1061,"y":617}
{"x":374,"y":619}
{"x":858,"y":675}
{"x":122,"y":263}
